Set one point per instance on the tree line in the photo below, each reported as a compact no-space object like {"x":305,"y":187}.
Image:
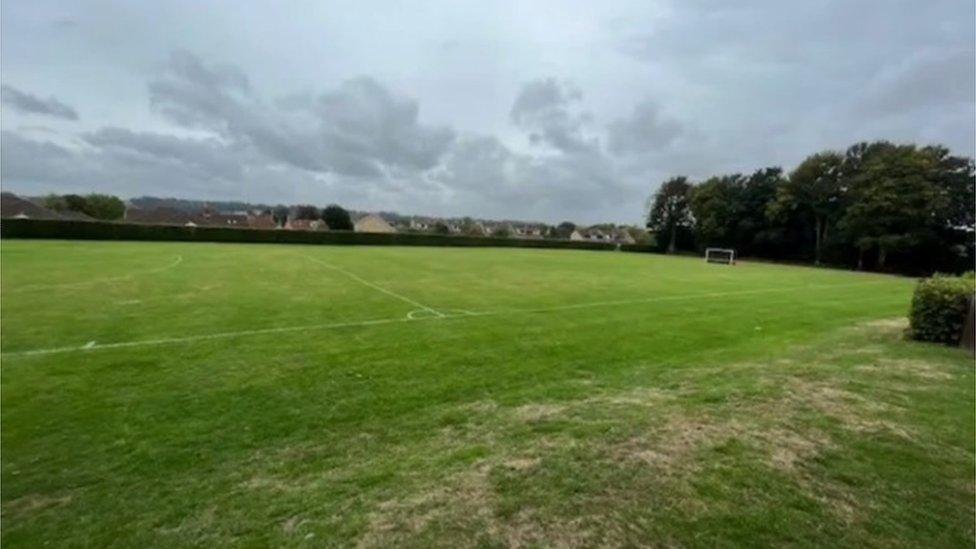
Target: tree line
{"x":98,"y":206}
{"x":876,"y":206}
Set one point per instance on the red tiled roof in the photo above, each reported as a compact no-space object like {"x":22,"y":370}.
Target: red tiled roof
{"x":12,"y":205}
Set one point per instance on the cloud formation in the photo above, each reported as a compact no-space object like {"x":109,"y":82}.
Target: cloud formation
{"x":477,"y":111}
{"x":545,"y":108}
{"x":27,"y":103}
{"x":644,"y":130}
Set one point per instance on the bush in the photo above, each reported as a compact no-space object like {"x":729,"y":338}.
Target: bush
{"x":101,"y":230}
{"x":939,"y":308}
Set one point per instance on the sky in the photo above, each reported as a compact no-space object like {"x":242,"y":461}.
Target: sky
{"x":537,"y":110}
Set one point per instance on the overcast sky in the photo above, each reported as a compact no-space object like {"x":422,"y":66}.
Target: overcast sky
{"x":523,"y":110}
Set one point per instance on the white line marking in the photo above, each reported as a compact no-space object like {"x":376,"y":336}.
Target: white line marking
{"x":309,"y":327}
{"x":34,"y":287}
{"x":359,"y":279}
{"x":89,"y":345}
{"x":223,"y":335}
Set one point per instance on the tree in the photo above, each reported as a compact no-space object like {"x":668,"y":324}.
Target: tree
{"x":306,"y":211}
{"x":441,"y":228}
{"x":502,"y":231}
{"x":471,"y":227}
{"x":337,"y":218}
{"x":564,"y":229}
{"x":280,"y":215}
{"x":670,"y":211}
{"x":899,"y":199}
{"x":104,"y":206}
{"x":98,"y":206}
{"x":813,"y":189}
{"x":716,"y":206}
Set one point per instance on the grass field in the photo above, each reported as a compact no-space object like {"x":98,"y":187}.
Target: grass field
{"x":174,"y":394}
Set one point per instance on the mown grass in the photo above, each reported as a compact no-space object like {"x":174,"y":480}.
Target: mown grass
{"x":593,"y":400}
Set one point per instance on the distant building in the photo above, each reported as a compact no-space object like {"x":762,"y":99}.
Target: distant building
{"x":418,"y":224}
{"x":261,"y":221}
{"x":373,"y":224}
{"x":173,"y":216}
{"x":576,"y":235}
{"x":623,"y":237}
{"x":157,"y":216}
{"x":13,"y":206}
{"x":306,"y":225}
{"x":210,"y":218}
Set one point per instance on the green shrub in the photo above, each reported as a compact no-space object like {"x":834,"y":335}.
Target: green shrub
{"x":939,"y":308}
{"x":102,"y":230}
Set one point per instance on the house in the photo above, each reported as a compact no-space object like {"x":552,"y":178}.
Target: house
{"x":576,"y":235}
{"x":306,"y":225}
{"x":623,"y":237}
{"x":210,"y":218}
{"x":261,"y":221}
{"x":373,"y":224}
{"x":16,"y":207}
{"x":419,"y":224}
{"x":173,"y":216}
{"x":596,"y":235}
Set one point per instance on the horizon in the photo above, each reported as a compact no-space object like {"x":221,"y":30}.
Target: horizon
{"x":546,"y":112}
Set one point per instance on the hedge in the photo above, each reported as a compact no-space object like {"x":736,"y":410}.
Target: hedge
{"x":939,"y":308}
{"x":106,"y":230}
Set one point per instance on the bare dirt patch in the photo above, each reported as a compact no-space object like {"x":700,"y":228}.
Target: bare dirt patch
{"x":887,"y":324}
{"x":916,"y":368}
{"x":466,"y":504}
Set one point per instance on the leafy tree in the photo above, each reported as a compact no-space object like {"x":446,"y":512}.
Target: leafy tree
{"x":306,"y":211}
{"x":900,"y":199}
{"x":104,"y":206}
{"x":280,"y":215}
{"x":55,"y":202}
{"x":670,"y":212}
{"x":814,"y":190}
{"x":716,"y":205}
{"x":564,"y":229}
{"x":337,"y":218}
{"x":441,"y":228}
{"x":471,"y":227}
{"x":502,"y":231}
{"x":98,"y":206}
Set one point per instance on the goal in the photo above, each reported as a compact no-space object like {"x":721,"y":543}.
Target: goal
{"x":720,"y":255}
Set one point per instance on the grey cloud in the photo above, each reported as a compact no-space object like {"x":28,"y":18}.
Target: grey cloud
{"x":482,"y":171}
{"x":365,"y":120}
{"x":645,"y":130}
{"x":359,"y":129}
{"x":129,"y":164}
{"x":927,"y":79}
{"x":28,"y":103}
{"x":544,"y":108}
{"x":208,"y":156}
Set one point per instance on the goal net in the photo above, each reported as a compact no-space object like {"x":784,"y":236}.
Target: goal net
{"x":720,"y":255}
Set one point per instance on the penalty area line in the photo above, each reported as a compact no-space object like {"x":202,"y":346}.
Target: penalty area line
{"x":369,"y":284}
{"x":92,"y":346}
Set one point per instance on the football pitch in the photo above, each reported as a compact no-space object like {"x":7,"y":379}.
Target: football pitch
{"x":173,"y":394}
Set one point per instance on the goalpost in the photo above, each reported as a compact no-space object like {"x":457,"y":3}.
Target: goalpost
{"x":720,"y":255}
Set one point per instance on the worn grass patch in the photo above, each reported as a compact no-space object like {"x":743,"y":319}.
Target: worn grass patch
{"x":669,"y":465}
